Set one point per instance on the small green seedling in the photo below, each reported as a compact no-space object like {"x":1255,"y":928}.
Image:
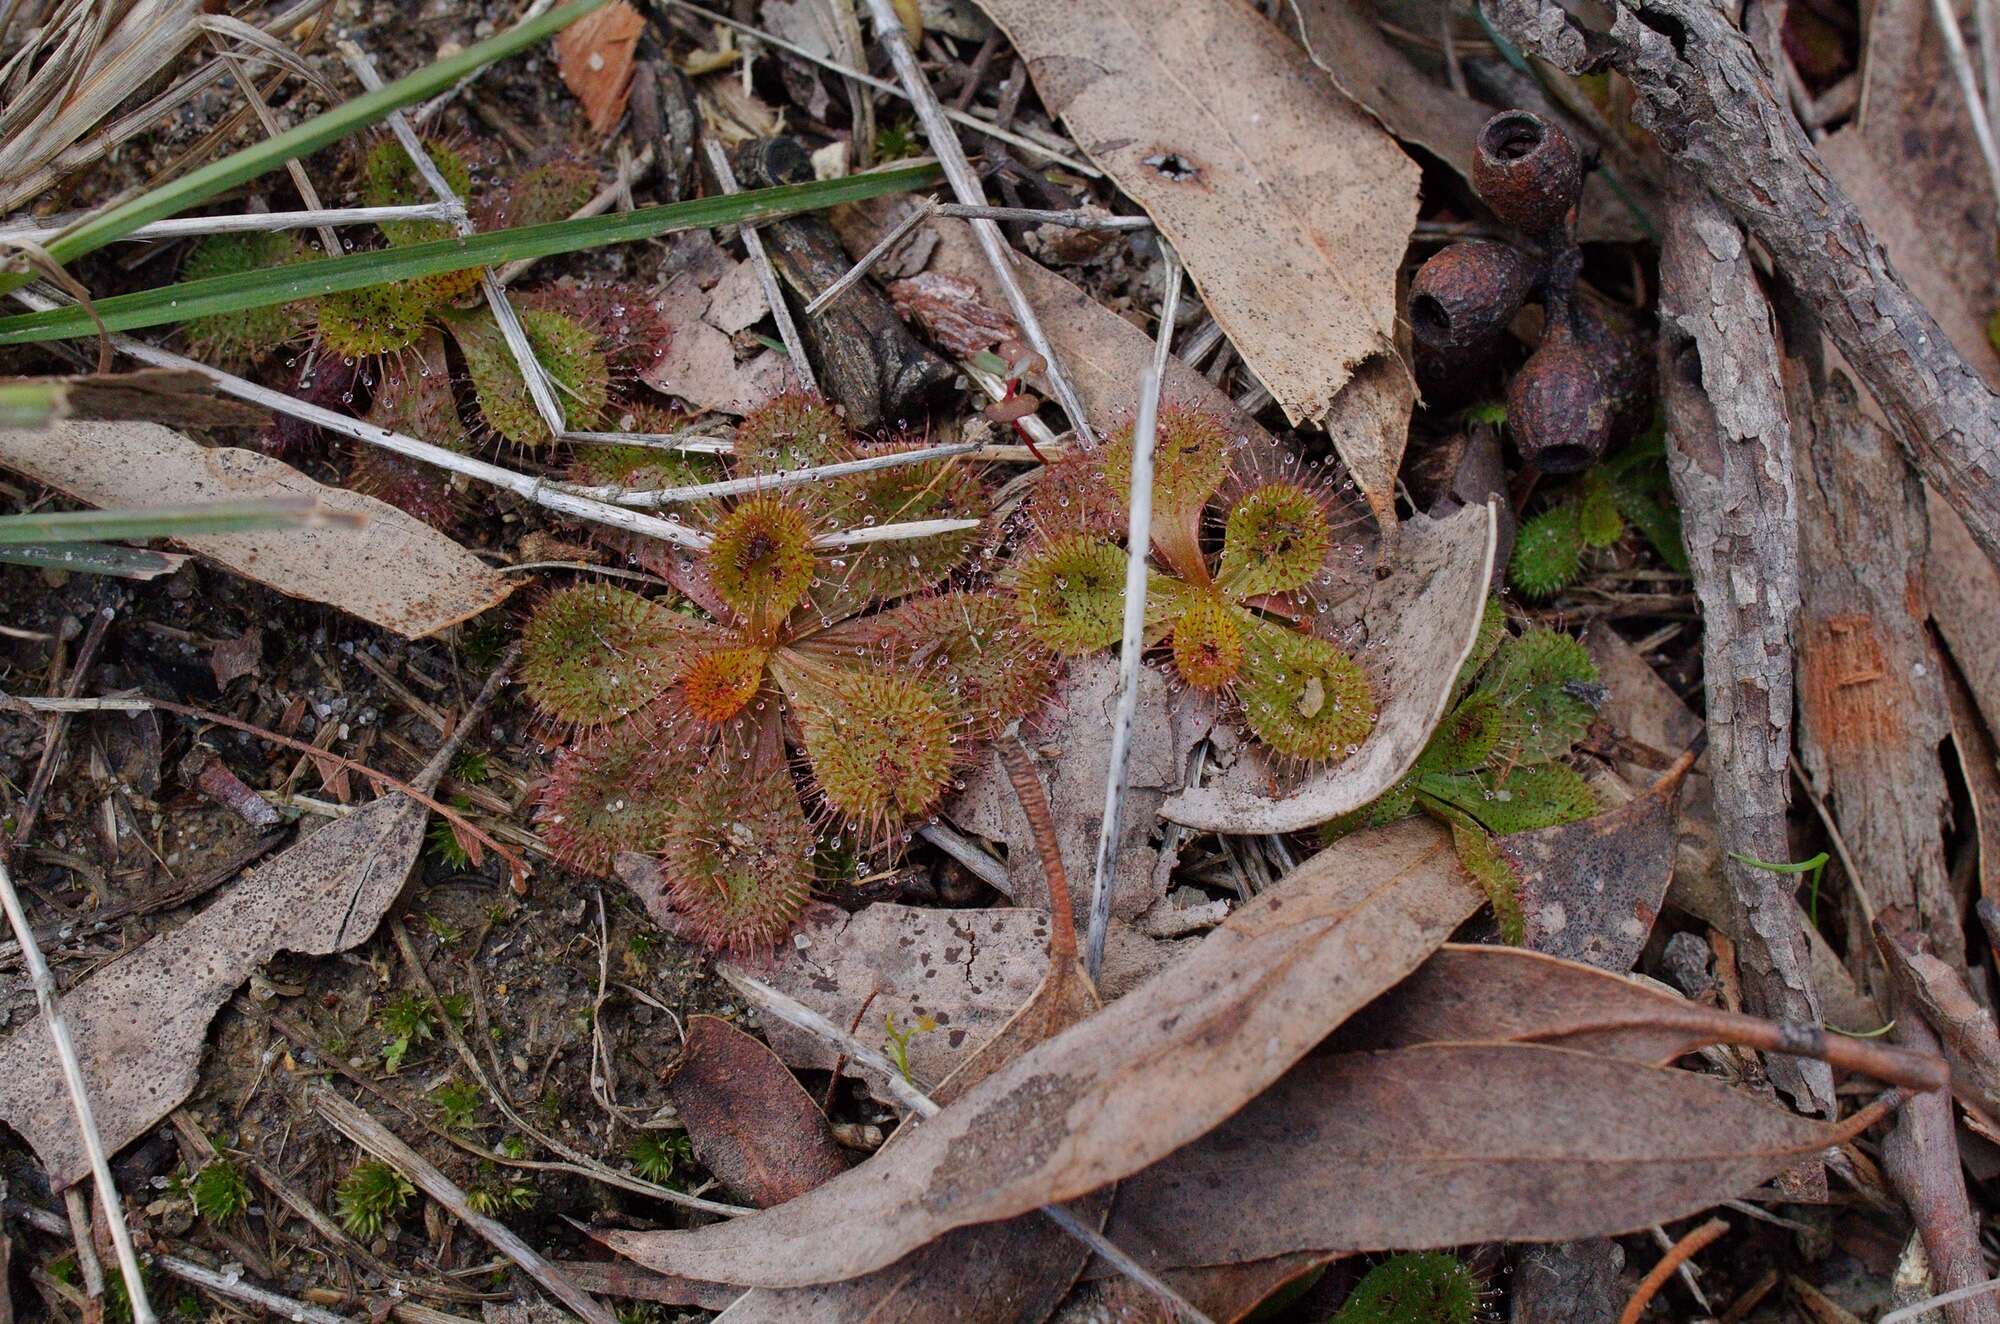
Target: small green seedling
{"x":458,"y":1104}
{"x":219,"y":1191}
{"x":657,"y":1157}
{"x":406,"y":1021}
{"x":1594,"y":511}
{"x":1413,"y":1289}
{"x":898,"y":1042}
{"x":371,"y":1194}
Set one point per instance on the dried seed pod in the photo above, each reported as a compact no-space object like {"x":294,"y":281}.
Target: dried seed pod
{"x":1617,"y":341}
{"x":1560,"y":405}
{"x":1527,"y":170}
{"x":1463,"y":298}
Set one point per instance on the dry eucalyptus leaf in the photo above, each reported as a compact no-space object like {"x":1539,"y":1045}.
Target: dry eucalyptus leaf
{"x":1071,"y":739}
{"x":139,"y":1022}
{"x":1439,"y":1146}
{"x":1591,"y":890}
{"x":1122,"y":1089}
{"x":1290,"y":206}
{"x":964,"y":971}
{"x":698,"y":362}
{"x":750,"y":1121}
{"x":398,"y":572}
{"x":1419,"y":625}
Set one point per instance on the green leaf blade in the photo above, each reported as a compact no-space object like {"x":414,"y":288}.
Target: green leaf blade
{"x":307,"y":280}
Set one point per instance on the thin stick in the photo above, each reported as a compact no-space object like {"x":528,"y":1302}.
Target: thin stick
{"x":978,"y":862}
{"x":629,"y":169}
{"x":969,"y":120}
{"x":536,"y":490}
{"x":384,"y":1144}
{"x":1657,"y":1276}
{"x":1074,"y":218}
{"x":1968,"y":89}
{"x":79,"y":1097}
{"x":255,"y":222}
{"x":1918,"y":1309}
{"x":794,"y":1012}
{"x":57,"y":727}
{"x":1138,"y":541}
{"x":530,"y":367}
{"x":922,"y":528}
{"x":965,"y":184}
{"x":852,"y":276}
{"x":690,"y":442}
{"x":670,"y":496}
{"x":235,"y":1289}
{"x":774,"y":295}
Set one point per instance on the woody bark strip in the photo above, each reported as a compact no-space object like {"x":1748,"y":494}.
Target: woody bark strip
{"x":1729,"y":451}
{"x":1709,"y":102}
{"x":1871,"y":695}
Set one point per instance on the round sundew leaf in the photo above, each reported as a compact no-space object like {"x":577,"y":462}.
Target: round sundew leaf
{"x":795,"y":430}
{"x":885,"y":571}
{"x":252,"y":331}
{"x":568,"y":352}
{"x":1276,"y":540}
{"x":1303,"y":696}
{"x":738,"y":856}
{"x":718,"y":684}
{"x":1071,"y":593}
{"x":1190,"y":460}
{"x":592,"y":655}
{"x":614,"y":790}
{"x":881,"y":747}
{"x":373,"y":319}
{"x":760,"y":558}
{"x":1208,"y":641}
{"x":1548,"y":552}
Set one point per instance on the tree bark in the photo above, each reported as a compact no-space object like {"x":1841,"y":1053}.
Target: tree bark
{"x":1729,"y":452}
{"x":1709,"y":102}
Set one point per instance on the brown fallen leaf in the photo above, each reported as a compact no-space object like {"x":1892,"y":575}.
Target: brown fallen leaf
{"x":1443,"y":1145}
{"x":1419,"y":625}
{"x":698,"y":362}
{"x":1507,"y":994}
{"x":1072,"y":737}
{"x":400,"y":573}
{"x":750,"y":1121}
{"x":1223,"y":1292}
{"x":241,"y":656}
{"x":1290,"y":206}
{"x":965,"y":971}
{"x":1123,"y":1088}
{"x":594,"y":55}
{"x":1591,"y":890}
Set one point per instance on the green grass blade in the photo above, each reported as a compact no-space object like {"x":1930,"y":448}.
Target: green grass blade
{"x":92,"y":558}
{"x":29,"y":404}
{"x":306,"y":280}
{"x":178,"y":195}
{"x":164,"y":521}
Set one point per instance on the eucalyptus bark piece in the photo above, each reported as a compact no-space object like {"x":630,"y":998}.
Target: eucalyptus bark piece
{"x":1709,"y":102}
{"x":866,"y":358}
{"x":1872,"y":709}
{"x":1729,"y":453}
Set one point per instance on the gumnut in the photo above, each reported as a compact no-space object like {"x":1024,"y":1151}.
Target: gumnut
{"x":1528,"y":171}
{"x":1463,"y":298}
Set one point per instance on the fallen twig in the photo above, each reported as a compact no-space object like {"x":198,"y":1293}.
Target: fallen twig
{"x":1138,"y":547}
{"x":774,"y":294}
{"x":58,"y":726}
{"x":958,"y":171}
{"x":1683,"y":1250}
{"x":232,"y":1287}
{"x":1704,"y":93}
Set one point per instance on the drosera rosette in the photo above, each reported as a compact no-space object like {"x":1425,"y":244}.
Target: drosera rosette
{"x":1498,"y":762}
{"x":1244,"y":548}
{"x":798,"y":692}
